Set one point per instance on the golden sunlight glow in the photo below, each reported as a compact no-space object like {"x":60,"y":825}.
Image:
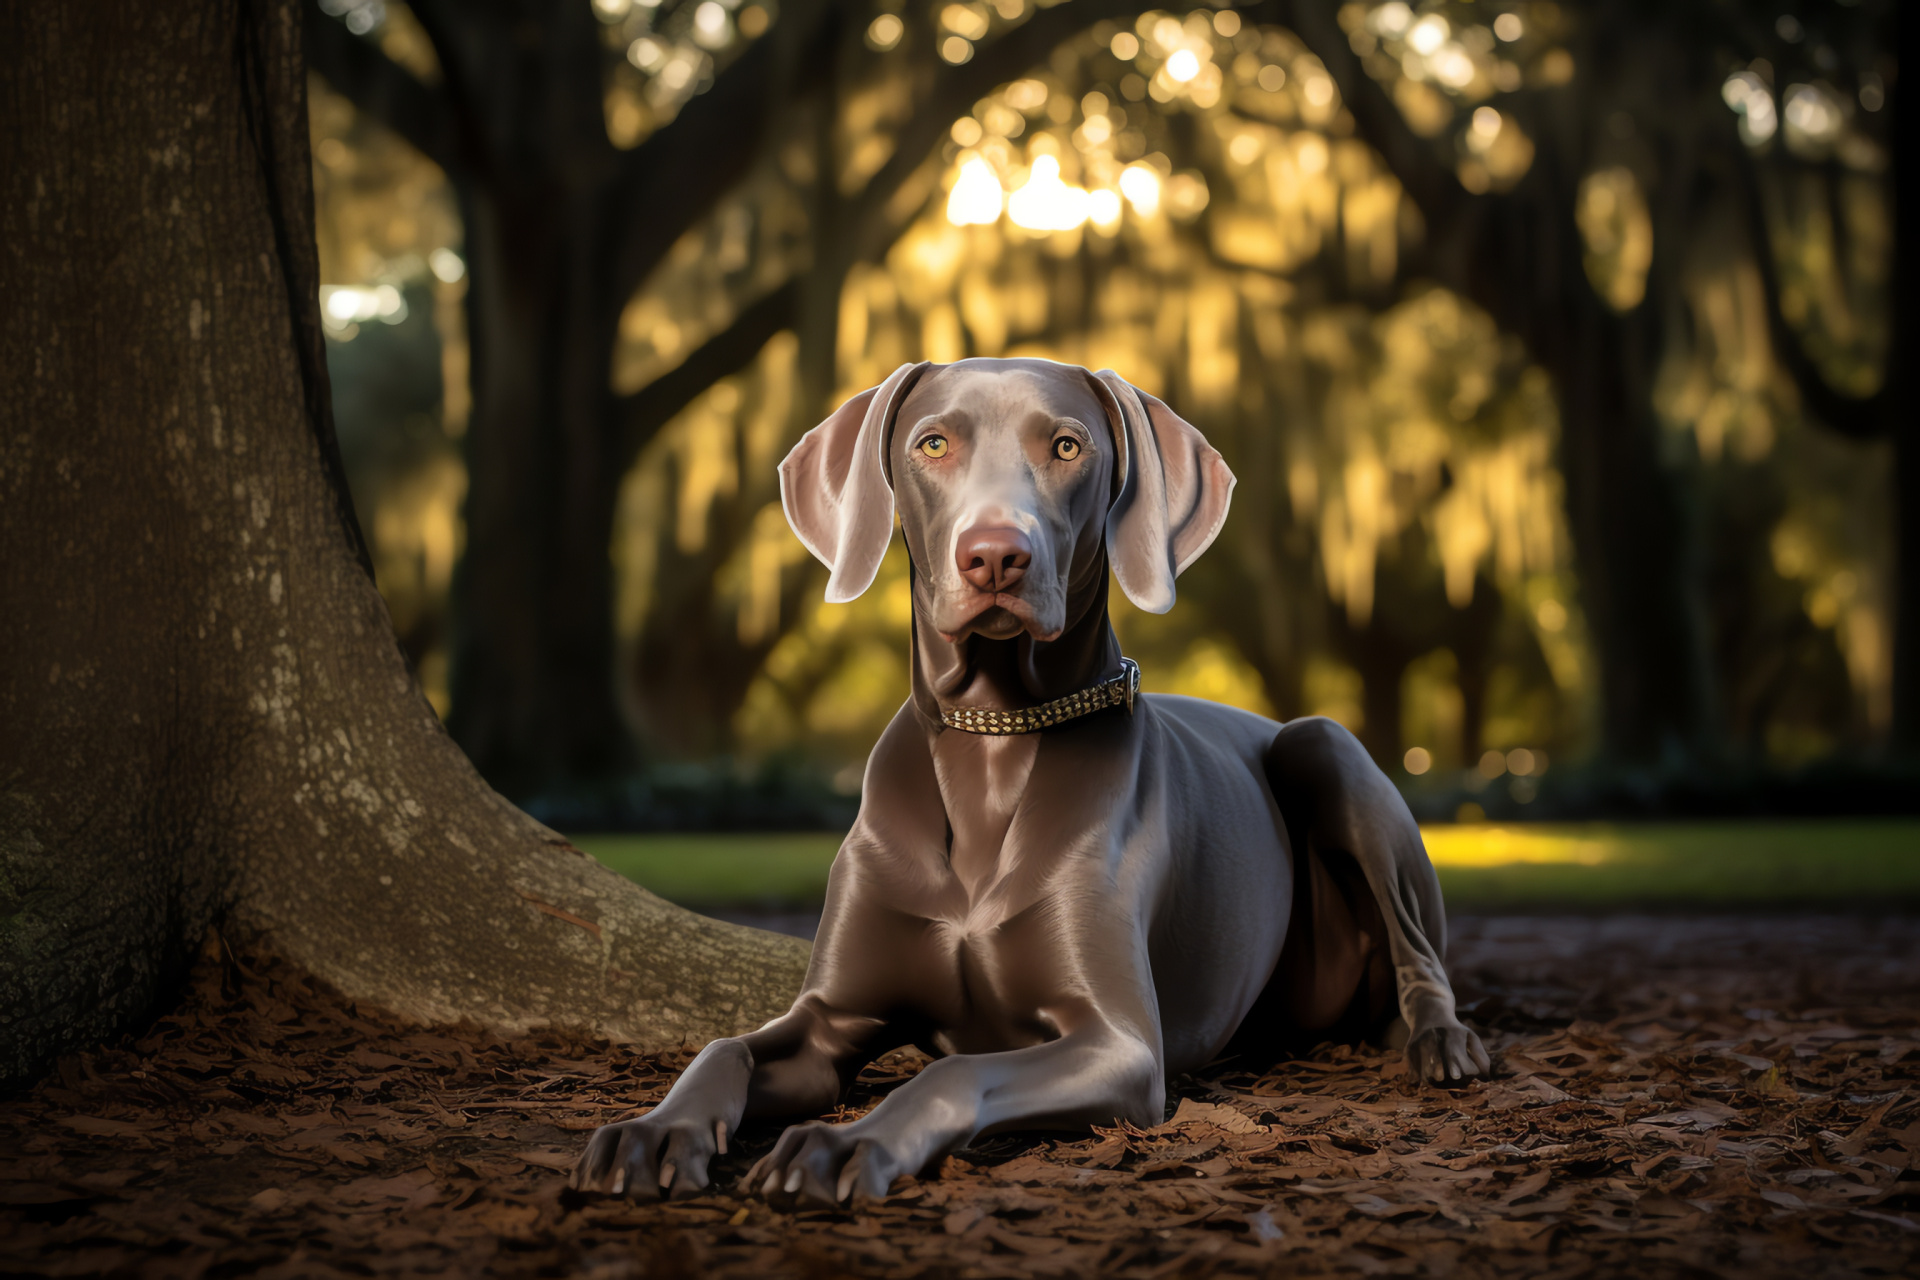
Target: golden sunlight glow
{"x":1126,"y":46}
{"x":1103,"y":206}
{"x":1026,"y":95}
{"x":1477,"y":846}
{"x":1428,"y":35}
{"x":1814,"y":120}
{"x":1747,"y":94}
{"x":712,"y":28}
{"x":1392,"y":18}
{"x":1451,"y":66}
{"x":446,"y":265}
{"x":885,"y":32}
{"x":646,"y":53}
{"x":964,"y":21}
{"x":1612,"y":214}
{"x":956,"y":50}
{"x":1215,"y":671}
{"x":1045,"y":203}
{"x":1141,"y":186}
{"x":1183,"y":66}
{"x":1187,"y":195}
{"x":977,"y":197}
{"x":342,"y":306}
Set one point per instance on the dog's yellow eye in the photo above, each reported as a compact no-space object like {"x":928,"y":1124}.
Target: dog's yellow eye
{"x":1066,"y":448}
{"x":934,"y":446}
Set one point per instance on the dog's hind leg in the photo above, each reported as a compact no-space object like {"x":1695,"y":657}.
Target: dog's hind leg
{"x":1338,"y":805}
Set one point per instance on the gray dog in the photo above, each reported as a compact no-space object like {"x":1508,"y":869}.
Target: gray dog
{"x":1061,"y":890}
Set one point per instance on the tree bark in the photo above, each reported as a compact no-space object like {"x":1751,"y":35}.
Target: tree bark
{"x":207,"y":716}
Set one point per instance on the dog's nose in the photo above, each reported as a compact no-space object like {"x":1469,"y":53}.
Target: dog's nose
{"x":993,"y":558}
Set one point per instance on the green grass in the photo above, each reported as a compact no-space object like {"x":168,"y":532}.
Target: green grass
{"x":706,"y":871}
{"x":1768,"y":865}
{"x":1483,"y":866}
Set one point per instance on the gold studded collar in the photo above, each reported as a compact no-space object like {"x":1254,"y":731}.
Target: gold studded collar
{"x":1119,"y":691}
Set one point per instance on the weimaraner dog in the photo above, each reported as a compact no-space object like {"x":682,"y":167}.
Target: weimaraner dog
{"x":1061,"y":891}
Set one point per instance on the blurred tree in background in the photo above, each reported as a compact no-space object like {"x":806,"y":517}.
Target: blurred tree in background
{"x":1546,"y":342}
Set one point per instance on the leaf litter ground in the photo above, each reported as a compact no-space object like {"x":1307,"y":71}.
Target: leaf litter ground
{"x":1674,"y":1096}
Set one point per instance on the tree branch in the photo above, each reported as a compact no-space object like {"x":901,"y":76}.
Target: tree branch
{"x":1430,"y":184}
{"x":954,"y":91}
{"x":642,"y":414}
{"x":1854,"y":416}
{"x":674,"y":178}
{"x":380,"y":87}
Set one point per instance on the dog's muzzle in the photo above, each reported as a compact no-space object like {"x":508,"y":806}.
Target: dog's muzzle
{"x":1119,"y":691}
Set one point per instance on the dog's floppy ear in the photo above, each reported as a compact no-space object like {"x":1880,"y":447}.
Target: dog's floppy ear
{"x":1172,"y":498}
{"x":834,"y":489}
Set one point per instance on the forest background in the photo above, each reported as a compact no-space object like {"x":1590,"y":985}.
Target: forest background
{"x":1548,"y":343}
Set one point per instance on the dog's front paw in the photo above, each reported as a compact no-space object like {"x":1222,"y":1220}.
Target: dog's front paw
{"x":1447,"y":1051}
{"x":818,"y":1164}
{"x":654,"y":1155}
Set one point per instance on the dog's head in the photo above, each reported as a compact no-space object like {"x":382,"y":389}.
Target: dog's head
{"x":1016,"y":481}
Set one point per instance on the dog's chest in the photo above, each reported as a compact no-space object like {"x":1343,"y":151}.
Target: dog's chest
{"x":999,"y":983}
{"x":996,"y":934}
{"x":983,"y":781}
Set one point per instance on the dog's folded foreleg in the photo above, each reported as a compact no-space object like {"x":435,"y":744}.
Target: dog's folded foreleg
{"x":1096,"y":1075}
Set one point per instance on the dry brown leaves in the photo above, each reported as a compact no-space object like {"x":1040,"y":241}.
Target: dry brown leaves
{"x":1720,"y":1096}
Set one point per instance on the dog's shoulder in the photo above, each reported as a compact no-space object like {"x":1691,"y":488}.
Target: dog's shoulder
{"x":900,"y":806}
{"x":1195,"y":742}
{"x":1214,"y":721}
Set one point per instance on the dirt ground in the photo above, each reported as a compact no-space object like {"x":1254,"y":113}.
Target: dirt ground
{"x":1674,"y":1096}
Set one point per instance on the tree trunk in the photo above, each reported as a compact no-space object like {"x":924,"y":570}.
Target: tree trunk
{"x":207,"y":715}
{"x":1519,"y":255}
{"x":533,"y":672}
{"x":533,"y":665}
{"x":1906,"y":567}
{"x":1381,"y":706}
{"x":1634,"y":541}
{"x":1901,"y":423}
{"x":1379,"y":652}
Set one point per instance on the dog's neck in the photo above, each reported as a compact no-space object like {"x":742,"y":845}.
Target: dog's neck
{"x":983,"y":779}
{"x":1021,"y":672}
